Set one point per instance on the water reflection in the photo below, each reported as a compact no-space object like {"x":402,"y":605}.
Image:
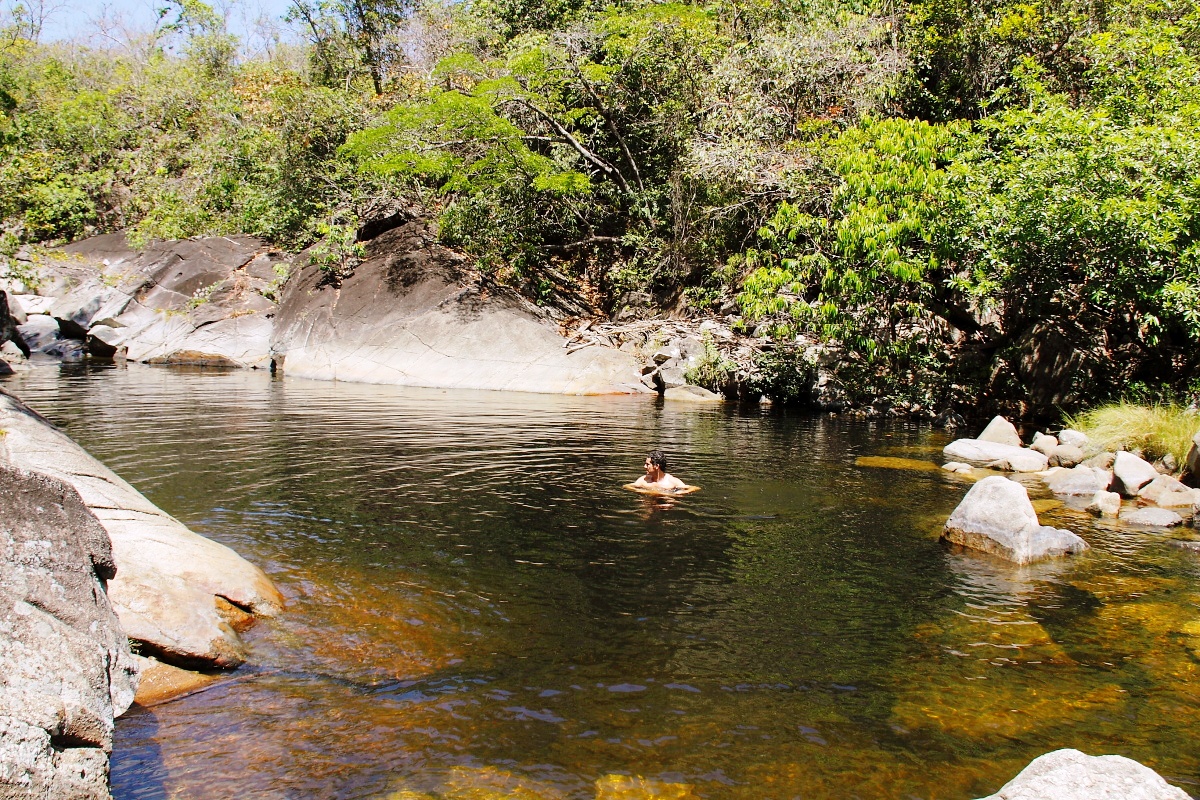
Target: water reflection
{"x":478,"y":609}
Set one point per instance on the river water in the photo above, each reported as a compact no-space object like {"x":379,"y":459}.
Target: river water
{"x":476,"y":609}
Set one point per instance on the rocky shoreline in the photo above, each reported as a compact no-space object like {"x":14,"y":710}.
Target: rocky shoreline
{"x":102,"y":589}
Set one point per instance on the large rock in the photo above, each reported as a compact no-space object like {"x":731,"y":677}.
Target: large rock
{"x":9,"y":320}
{"x":999,"y":456}
{"x":997,"y":517}
{"x":66,"y":666}
{"x":192,"y":301}
{"x":1000,"y":431}
{"x":1131,"y":473}
{"x":1072,"y":775}
{"x":1161,"y":487}
{"x":408,"y":316}
{"x":1073,"y":438}
{"x":39,"y":332}
{"x":1043,"y":444}
{"x":1078,"y":481}
{"x":1105,"y":504}
{"x":169,"y":579}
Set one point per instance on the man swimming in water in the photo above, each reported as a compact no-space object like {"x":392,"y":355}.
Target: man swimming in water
{"x":656,"y":476}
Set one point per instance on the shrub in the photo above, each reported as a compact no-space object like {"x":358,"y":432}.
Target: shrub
{"x":1156,"y":430}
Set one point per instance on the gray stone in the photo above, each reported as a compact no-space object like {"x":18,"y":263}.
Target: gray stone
{"x":1101,"y":461}
{"x":1000,"y":431}
{"x":1151,"y":517}
{"x":32,"y":304}
{"x":5,"y":368}
{"x":1192,"y":463}
{"x":65,"y":350}
{"x":65,"y":660}
{"x":1043,"y":444}
{"x":1105,"y":504}
{"x":12,"y":309}
{"x":996,"y":517}
{"x":1066,"y":455}
{"x":692,"y":394}
{"x":665,"y":355}
{"x":409,"y":316}
{"x":957,"y":467}
{"x":39,"y":332}
{"x":1131,"y":473}
{"x":973,"y":451}
{"x":1072,"y":775}
{"x":168,"y":577}
{"x":1073,"y":438}
{"x":1078,"y":481}
{"x":671,"y":377}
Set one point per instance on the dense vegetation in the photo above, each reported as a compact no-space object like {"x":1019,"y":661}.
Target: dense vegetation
{"x":988,"y":204}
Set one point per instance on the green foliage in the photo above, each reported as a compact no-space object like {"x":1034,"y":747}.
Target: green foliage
{"x":338,"y":252}
{"x":712,"y":370}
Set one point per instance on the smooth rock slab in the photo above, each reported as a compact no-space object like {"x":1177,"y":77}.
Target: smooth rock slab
{"x":984,"y":454}
{"x":1151,"y":517}
{"x":168,"y":578}
{"x":1072,"y":775}
{"x":996,"y":517}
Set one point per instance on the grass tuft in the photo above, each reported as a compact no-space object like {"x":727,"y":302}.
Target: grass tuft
{"x":1155,"y":430}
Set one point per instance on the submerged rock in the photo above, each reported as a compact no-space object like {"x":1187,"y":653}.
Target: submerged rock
{"x":692,"y":394}
{"x":1151,"y":517}
{"x":1072,"y":775}
{"x":997,"y":456}
{"x":65,"y":661}
{"x":996,"y":517}
{"x":168,"y":577}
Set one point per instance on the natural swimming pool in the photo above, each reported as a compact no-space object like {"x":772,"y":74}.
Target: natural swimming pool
{"x":477,"y":609}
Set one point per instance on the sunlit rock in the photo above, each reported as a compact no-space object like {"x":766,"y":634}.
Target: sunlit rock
{"x":167,"y":576}
{"x":161,"y":682}
{"x":1072,"y":775}
{"x":692,"y":394}
{"x":1066,"y":455}
{"x":1078,"y":481}
{"x":998,"y":456}
{"x":1131,"y":473}
{"x":958,"y":467}
{"x":1000,"y":431}
{"x":1043,"y":444}
{"x":996,"y":517}
{"x":1105,"y":504}
{"x":1073,"y":438}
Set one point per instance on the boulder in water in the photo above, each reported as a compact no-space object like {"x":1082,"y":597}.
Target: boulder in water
{"x":996,"y":517}
{"x":1105,"y":504}
{"x":1078,"y":481}
{"x":1151,"y":517}
{"x":987,"y":454}
{"x":1131,"y":473}
{"x":168,"y":580}
{"x":1072,"y":775}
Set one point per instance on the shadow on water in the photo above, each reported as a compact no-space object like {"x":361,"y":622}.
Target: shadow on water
{"x":478,"y":610}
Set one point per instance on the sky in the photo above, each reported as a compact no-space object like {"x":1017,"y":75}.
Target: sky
{"x":89,"y":19}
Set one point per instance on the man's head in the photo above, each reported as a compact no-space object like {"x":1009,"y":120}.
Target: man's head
{"x":657,"y":459}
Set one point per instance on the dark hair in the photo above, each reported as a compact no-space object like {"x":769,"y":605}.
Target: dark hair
{"x":659,"y":459}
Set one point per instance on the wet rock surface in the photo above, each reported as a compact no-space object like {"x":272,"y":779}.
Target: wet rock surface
{"x":168,"y":578}
{"x":66,"y":666}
